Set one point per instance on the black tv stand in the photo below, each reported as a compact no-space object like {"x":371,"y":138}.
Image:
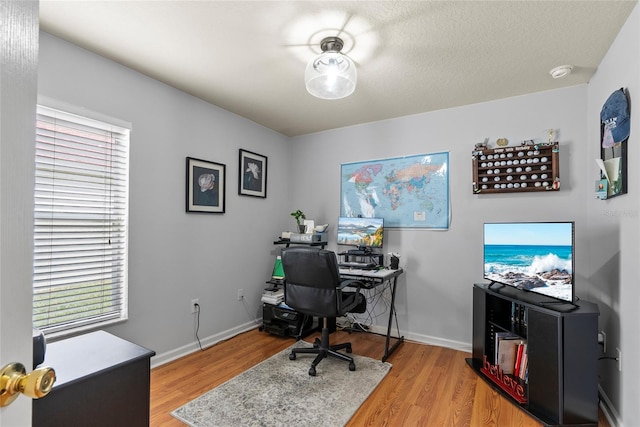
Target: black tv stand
{"x":561,"y":387}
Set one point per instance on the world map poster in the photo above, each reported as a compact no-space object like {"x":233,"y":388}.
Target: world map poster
{"x":408,"y":192}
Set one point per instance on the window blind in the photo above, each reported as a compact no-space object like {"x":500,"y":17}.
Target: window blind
{"x":80,"y":222}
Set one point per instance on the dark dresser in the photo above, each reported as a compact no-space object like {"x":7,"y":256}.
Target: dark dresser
{"x":101,"y":380}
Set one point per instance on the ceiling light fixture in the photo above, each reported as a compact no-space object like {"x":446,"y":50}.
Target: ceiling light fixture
{"x":332,"y":74}
{"x":561,"y":71}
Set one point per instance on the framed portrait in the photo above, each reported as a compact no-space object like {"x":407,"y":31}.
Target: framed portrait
{"x":206,"y":183}
{"x":252,"y":179}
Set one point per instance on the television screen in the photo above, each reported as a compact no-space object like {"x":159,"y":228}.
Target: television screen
{"x":361,"y":232}
{"x":534,"y":256}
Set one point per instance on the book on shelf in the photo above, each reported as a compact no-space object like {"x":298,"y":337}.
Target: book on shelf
{"x":519,"y":314}
{"x":505,"y":351}
{"x":518,"y":362}
{"x":524,"y":365}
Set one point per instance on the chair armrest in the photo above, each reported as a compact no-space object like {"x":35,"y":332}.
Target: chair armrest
{"x":353,"y":283}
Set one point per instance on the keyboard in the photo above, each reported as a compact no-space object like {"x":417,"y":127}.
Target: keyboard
{"x":359,"y":265}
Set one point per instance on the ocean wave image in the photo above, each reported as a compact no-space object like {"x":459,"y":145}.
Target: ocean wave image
{"x":539,"y":268}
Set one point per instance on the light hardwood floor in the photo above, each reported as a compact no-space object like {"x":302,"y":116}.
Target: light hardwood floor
{"x":427,"y":386}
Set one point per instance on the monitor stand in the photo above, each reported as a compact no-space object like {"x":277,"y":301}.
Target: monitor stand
{"x":362,"y":250}
{"x":493,"y":282}
{"x":364,"y":254}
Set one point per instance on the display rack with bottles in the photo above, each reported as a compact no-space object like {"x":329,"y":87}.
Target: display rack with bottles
{"x":516,"y":169}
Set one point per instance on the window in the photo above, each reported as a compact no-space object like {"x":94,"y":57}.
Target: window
{"x":80,"y":222}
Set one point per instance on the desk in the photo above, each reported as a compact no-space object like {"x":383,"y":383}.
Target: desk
{"x":375,"y":278}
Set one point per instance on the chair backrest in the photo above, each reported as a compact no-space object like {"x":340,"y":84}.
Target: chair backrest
{"x":311,"y":279}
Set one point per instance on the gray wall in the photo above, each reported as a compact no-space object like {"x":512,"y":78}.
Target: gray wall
{"x":177,"y":256}
{"x":434,"y":297}
{"x":614,"y":231}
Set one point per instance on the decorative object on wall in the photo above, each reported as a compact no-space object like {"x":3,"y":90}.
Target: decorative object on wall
{"x":252,"y":177}
{"x":408,"y":192}
{"x":615,"y":126}
{"x":206,"y":183}
{"x":332,"y":74}
{"x":529,"y":167}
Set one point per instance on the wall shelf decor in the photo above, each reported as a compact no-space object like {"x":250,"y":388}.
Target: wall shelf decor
{"x":614,"y":135}
{"x":523,"y":168}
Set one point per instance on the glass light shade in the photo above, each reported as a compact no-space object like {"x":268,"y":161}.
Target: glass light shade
{"x":331,"y":75}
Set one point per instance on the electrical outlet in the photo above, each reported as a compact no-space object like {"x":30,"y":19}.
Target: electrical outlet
{"x":619,"y":359}
{"x":240,"y":294}
{"x":602,"y":339}
{"x":195,"y":303}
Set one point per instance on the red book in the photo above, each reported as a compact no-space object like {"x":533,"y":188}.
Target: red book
{"x":516,"y":370}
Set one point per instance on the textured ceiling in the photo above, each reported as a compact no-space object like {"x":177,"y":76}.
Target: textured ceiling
{"x":248,"y":57}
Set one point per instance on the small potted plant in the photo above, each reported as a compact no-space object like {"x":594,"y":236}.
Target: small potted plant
{"x":299,"y":215}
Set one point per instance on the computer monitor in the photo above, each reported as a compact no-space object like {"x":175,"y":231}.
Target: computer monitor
{"x":365,"y":233}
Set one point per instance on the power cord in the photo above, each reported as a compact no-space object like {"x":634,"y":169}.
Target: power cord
{"x":197,"y":306}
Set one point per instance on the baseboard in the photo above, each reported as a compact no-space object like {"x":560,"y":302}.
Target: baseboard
{"x":425,"y":339}
{"x":161,"y":359}
{"x":608,"y":409}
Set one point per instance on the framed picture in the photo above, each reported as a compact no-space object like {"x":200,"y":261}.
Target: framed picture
{"x":206,"y":183}
{"x":252,"y":177}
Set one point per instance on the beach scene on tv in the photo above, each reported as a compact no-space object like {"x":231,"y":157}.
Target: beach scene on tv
{"x":535,"y":257}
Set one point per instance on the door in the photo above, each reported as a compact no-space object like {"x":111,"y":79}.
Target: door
{"x":18,"y":95}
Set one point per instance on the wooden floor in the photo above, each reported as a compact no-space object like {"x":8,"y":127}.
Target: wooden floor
{"x":427,"y":386}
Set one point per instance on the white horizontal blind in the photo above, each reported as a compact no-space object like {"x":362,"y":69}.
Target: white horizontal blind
{"x":81,"y":222}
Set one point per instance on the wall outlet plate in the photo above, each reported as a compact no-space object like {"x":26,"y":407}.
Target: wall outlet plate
{"x":194,"y":303}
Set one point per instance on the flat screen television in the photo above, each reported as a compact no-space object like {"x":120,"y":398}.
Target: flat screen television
{"x":533,"y":256}
{"x":365,"y":233}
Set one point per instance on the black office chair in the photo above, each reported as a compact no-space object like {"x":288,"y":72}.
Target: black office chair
{"x":313,"y":287}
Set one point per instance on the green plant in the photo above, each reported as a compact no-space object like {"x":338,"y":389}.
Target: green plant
{"x":298,"y":215}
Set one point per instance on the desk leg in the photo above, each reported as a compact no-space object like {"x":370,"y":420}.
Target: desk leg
{"x":392,"y":315}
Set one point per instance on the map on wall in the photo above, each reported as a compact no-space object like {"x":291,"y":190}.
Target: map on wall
{"x":408,"y":192}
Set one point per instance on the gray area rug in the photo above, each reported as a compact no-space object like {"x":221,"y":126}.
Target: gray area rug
{"x":280,"y":392}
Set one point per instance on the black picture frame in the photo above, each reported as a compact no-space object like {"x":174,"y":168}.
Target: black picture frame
{"x":206,"y":186}
{"x":252,"y":174}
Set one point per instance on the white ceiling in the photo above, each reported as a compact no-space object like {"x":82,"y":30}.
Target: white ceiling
{"x":248,"y":57}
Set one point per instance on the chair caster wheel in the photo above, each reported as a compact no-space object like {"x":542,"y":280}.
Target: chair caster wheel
{"x":352,"y":366}
{"x":349,"y":350}
{"x":312,"y":371}
{"x":292,"y":356}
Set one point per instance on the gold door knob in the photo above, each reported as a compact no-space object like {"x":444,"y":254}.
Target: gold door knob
{"x":15,"y":380}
